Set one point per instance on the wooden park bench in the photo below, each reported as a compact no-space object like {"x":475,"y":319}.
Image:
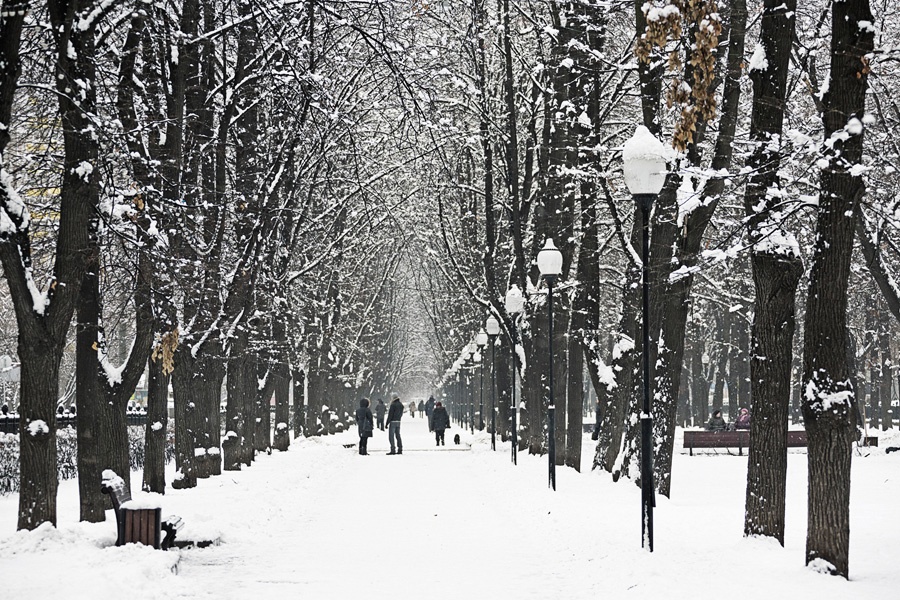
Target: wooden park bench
{"x":138,"y":521}
{"x":740,"y":439}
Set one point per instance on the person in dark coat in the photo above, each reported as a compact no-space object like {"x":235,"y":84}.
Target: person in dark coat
{"x":598,"y":415}
{"x":380,"y":409}
{"x":429,"y":411}
{"x":441,"y":421}
{"x":421,"y":408}
{"x":743,"y":420}
{"x":395,"y":413}
{"x":717,"y":423}
{"x":365,"y":424}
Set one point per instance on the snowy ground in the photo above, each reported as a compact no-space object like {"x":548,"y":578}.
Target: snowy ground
{"x":459,"y":523}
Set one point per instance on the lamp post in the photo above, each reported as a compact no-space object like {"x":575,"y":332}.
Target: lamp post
{"x":645,"y":173}
{"x":481,"y":340}
{"x":515,"y":304}
{"x":477,"y":359}
{"x":549,"y":261}
{"x":492,"y":326}
{"x":471,"y":349}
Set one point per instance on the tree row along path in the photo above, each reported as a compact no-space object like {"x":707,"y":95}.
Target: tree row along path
{"x":457,"y":522}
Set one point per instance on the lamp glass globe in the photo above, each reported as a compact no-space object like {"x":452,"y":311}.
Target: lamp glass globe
{"x":492,"y":326}
{"x":549,"y":259}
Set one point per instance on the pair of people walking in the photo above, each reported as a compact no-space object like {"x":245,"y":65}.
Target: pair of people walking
{"x":365,"y":423}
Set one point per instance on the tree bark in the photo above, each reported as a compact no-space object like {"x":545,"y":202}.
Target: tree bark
{"x":88,"y":395}
{"x":575,"y":393}
{"x":777,"y":268}
{"x":828,"y":395}
{"x":299,"y":380}
{"x":44,"y":318}
{"x":157,"y":432}
{"x":885,"y":378}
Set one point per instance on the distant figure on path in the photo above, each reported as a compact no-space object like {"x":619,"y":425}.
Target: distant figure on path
{"x":717,"y":423}
{"x":421,"y":408}
{"x":412,"y":409}
{"x":380,"y":409}
{"x":743,"y":420}
{"x":429,"y":411}
{"x":395,"y":413}
{"x":365,"y":425}
{"x":441,"y":421}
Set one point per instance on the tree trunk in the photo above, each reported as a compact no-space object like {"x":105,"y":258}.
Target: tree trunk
{"x":534,"y":392}
{"x":185,"y":419}
{"x":249,"y":393}
{"x":156,"y":435}
{"x":777,"y":268}
{"x":700,"y":386}
{"x":282,"y":413}
{"x":575,"y":394}
{"x":235,"y":425}
{"x":299,"y":402}
{"x":828,"y":394}
{"x":262,"y":435}
{"x":314,"y":399}
{"x":502,"y":382}
{"x":623,"y":365}
{"x":776,"y":280}
{"x":561,"y":365}
{"x":37,"y":430}
{"x":885,"y":364}
{"x":43,"y":318}
{"x":93,"y":503}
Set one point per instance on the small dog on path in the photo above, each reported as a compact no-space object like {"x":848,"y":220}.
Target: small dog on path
{"x":456,"y":439}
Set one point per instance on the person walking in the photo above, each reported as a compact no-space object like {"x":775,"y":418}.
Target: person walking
{"x":380,"y":409}
{"x":421,"y":408}
{"x":412,"y":409}
{"x":364,"y":424}
{"x":441,"y":421}
{"x":429,"y":412}
{"x":395,"y":413}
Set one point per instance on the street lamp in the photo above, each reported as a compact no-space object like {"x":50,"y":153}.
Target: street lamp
{"x":549,"y":261}
{"x":481,"y":340}
{"x":515,"y":304}
{"x":492,"y":326}
{"x":644,"y":159}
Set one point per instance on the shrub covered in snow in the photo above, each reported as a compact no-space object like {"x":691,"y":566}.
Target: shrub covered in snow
{"x":67,"y":455}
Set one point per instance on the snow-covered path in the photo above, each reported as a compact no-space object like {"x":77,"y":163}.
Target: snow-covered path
{"x":320,"y":521}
